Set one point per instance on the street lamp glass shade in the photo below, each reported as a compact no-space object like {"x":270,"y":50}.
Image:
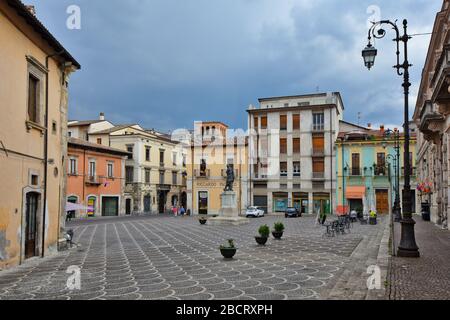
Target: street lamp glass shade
{"x":369,"y":54}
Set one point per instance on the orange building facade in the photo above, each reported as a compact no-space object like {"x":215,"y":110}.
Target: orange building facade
{"x":95,"y":179}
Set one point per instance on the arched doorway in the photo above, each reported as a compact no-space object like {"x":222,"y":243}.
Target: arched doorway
{"x":184,"y":200}
{"x":174,"y":201}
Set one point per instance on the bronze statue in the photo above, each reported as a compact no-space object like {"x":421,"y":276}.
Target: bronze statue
{"x":230,"y":178}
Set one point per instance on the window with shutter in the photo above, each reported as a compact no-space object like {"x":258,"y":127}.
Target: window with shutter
{"x":356,"y":171}
{"x":283,"y":122}
{"x":33,"y":85}
{"x":283,"y":145}
{"x":296,"y":122}
{"x":296,"y":145}
{"x":318,"y":165}
{"x":318,"y":144}
{"x":263,"y":122}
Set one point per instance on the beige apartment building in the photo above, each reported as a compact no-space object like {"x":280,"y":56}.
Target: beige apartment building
{"x":292,"y":152}
{"x":35,"y":71}
{"x":212,"y":148}
{"x":432,"y":118}
{"x":155,"y":170}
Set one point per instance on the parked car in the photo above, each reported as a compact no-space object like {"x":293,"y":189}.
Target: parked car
{"x":292,"y":212}
{"x":254,"y":212}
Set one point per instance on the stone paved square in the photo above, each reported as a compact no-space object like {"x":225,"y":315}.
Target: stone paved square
{"x":161,"y":257}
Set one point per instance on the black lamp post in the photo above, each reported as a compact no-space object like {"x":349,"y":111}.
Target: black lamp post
{"x":397,"y":209}
{"x":408,"y":246}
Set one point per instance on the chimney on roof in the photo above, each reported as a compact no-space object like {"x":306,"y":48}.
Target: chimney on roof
{"x":369,"y":125}
{"x":102,"y":116}
{"x":31,"y":9}
{"x":382,"y":128}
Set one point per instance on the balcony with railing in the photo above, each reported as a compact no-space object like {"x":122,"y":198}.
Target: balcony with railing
{"x":430,"y":120}
{"x":380,"y":171}
{"x":318,"y":175}
{"x":355,"y":172}
{"x":202,"y":173}
{"x":93,"y":180}
{"x":412,"y":173}
{"x":318,"y":152}
{"x":318,"y":127}
{"x":260,"y":176}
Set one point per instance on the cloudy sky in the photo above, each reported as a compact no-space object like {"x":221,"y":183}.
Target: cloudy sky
{"x":166,"y":63}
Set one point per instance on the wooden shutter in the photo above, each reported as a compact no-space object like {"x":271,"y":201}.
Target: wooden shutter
{"x":283,"y":145}
{"x":296,"y":122}
{"x":263,"y":122}
{"x":355,"y":164}
{"x":319,"y":143}
{"x":33,"y":85}
{"x":318,"y":165}
{"x":283,"y":122}
{"x":381,"y":160}
{"x":296,"y":145}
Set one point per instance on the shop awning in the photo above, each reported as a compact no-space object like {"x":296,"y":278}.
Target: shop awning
{"x":355,"y":192}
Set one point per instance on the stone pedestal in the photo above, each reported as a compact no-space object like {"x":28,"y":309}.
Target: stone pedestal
{"x":229,"y":213}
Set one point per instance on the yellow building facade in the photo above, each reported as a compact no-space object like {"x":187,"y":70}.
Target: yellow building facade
{"x":212,"y":149}
{"x":33,"y":146}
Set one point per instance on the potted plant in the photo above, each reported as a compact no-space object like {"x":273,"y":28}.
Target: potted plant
{"x":202,"y":220}
{"x":228,"y":250}
{"x":372,"y":218}
{"x":278,"y":230}
{"x":264,"y":232}
{"x":426,"y":211}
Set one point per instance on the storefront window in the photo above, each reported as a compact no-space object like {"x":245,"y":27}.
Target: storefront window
{"x":280,"y":202}
{"x":300,"y":201}
{"x":322,"y":203}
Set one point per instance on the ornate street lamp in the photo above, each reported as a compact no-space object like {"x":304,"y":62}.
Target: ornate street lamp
{"x":408,"y":246}
{"x":396,"y":134}
{"x":369,"y":54}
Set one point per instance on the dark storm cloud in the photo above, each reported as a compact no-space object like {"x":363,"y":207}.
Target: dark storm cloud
{"x":166,"y":63}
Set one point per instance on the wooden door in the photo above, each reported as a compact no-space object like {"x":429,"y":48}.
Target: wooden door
{"x":382,"y":201}
{"x":31,"y":227}
{"x":110,"y":206}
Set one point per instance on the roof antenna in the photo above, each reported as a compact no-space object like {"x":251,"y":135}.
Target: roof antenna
{"x":359,"y":118}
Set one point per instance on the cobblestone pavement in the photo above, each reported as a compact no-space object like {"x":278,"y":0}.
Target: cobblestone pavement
{"x":177,"y":258}
{"x":427,"y":277}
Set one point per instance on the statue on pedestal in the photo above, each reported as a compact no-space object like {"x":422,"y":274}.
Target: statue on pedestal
{"x":230,"y":178}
